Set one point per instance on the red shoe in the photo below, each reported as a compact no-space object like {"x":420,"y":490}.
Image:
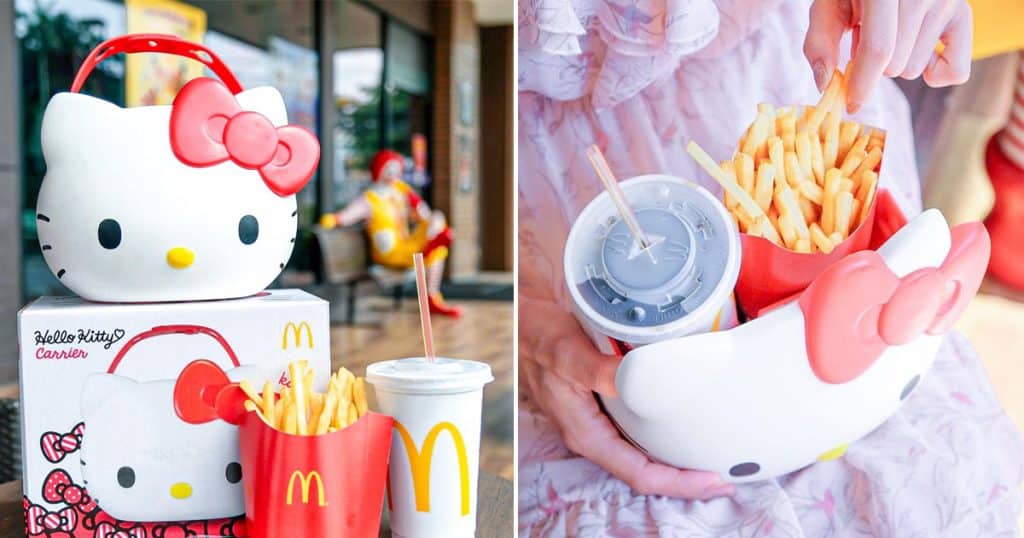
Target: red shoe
{"x":439,"y":306}
{"x":1006,"y":221}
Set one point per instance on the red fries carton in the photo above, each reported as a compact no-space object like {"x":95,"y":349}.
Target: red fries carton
{"x":770,"y":274}
{"x":315,"y":485}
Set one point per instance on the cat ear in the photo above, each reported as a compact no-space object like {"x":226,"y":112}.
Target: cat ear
{"x":70,"y":121}
{"x":266,"y":101}
{"x":99,"y":388}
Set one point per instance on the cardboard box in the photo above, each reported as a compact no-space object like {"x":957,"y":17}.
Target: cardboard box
{"x":119,"y":426}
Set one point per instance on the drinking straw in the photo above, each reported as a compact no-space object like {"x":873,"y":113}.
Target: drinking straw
{"x":421,"y":293}
{"x":619,"y":198}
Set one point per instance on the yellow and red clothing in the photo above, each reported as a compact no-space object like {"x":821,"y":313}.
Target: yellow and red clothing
{"x":398,"y":230}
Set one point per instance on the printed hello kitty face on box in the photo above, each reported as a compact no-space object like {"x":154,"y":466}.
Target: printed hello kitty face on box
{"x":141,"y":462}
{"x":122,"y":219}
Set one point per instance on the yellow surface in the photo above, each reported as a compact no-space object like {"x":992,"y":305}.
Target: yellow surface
{"x":997,"y":27}
{"x":389,"y":215}
{"x":835,"y":453}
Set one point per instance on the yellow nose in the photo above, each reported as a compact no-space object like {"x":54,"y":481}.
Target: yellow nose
{"x":181,"y":490}
{"x":180,"y":257}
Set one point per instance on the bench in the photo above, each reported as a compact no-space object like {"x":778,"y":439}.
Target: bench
{"x":345,"y":262}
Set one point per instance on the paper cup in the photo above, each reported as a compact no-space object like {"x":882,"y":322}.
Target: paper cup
{"x":314,"y":485}
{"x":435,"y":450}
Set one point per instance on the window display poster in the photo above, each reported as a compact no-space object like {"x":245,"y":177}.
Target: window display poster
{"x":154,"y":79}
{"x":295,"y":76}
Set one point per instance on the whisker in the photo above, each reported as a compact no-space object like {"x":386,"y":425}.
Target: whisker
{"x":60,"y":274}
{"x":281,"y":266}
{"x":296,"y":212}
{"x":293,"y":240}
{"x":47,"y":247}
{"x":42,"y":217}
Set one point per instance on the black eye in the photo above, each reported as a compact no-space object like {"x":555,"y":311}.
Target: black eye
{"x":234,"y":472}
{"x":109,"y":234}
{"x":248,"y":229}
{"x":126,"y":477}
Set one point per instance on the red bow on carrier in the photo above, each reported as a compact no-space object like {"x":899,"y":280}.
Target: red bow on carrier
{"x":58,"y":445}
{"x":209,"y":127}
{"x":41,"y":522}
{"x":858,"y":307}
{"x":203,"y":393}
{"x":108,"y":530}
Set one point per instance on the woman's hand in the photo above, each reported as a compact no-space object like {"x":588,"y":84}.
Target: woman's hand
{"x":897,"y":38}
{"x":562,"y":370}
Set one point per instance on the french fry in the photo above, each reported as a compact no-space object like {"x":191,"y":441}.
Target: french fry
{"x":852,"y":161}
{"x":730,"y":172}
{"x":727,"y":184}
{"x":359,"y":396}
{"x":831,"y":144}
{"x":764,"y":186}
{"x":756,"y":137}
{"x":803,"y":245}
{"x":329,"y":410}
{"x":353,"y":415}
{"x":776,"y":153}
{"x":844,"y":212}
{"x":803,"y":154}
{"x":250,"y":392}
{"x":743,"y":164}
{"x":848,"y":132}
{"x":291,"y":417}
{"x":836,"y":238}
{"x":794,"y":174}
{"x":787,"y":200}
{"x":846,"y":184}
{"x":825,"y":104}
{"x":861,"y":144}
{"x":808,"y":209}
{"x":767,"y":109}
{"x":811,"y":191}
{"x":828,"y":200}
{"x":819,"y":238}
{"x":789,"y":131}
{"x":786,"y":230}
{"x":296,"y":371}
{"x":870,"y":162}
{"x":817,"y":160}
{"x":866,"y":194}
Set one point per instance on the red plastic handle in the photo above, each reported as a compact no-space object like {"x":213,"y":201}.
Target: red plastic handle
{"x":165,"y":43}
{"x":174,"y":329}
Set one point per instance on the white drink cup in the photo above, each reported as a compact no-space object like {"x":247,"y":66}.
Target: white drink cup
{"x":435,"y":450}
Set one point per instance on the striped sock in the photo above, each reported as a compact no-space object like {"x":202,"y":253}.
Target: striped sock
{"x":1011,"y":140}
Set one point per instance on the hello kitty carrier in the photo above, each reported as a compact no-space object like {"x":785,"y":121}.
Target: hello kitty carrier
{"x":192,"y":201}
{"x":831,"y":350}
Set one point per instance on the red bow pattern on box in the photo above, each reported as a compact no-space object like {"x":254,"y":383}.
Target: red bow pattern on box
{"x":857,"y":308}
{"x":203,"y":393}
{"x":108,"y":530}
{"x":209,"y":127}
{"x":58,"y":488}
{"x":41,"y":522}
{"x":58,"y":445}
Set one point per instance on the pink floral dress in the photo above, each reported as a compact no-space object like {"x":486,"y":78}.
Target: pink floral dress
{"x":640,"y":78}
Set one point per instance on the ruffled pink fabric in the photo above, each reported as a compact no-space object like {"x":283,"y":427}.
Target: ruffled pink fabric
{"x":608,"y":49}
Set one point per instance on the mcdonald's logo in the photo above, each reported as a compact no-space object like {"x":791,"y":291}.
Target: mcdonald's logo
{"x":305,"y":481}
{"x":419,"y":463}
{"x":296,"y":332}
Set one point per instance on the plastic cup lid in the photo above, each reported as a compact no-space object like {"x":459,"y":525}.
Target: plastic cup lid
{"x":416,"y":375}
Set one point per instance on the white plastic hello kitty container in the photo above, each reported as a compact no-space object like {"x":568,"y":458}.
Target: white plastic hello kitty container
{"x":806,"y":378}
{"x":191,"y":201}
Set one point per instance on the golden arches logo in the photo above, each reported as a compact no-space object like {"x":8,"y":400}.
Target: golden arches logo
{"x":296,"y":331}
{"x":419,"y":463}
{"x":305,"y":481}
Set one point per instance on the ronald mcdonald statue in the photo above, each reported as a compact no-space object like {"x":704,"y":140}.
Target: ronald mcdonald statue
{"x":399,"y":224}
